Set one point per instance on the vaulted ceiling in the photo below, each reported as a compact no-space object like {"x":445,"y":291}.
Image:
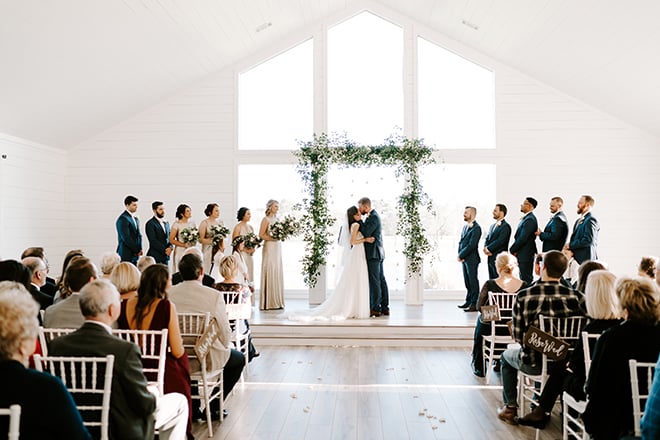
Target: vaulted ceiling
{"x":70,"y":69}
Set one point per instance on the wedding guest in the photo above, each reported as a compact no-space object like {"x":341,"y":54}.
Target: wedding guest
{"x":144,"y":262}
{"x":609,"y":412}
{"x":207,"y":280}
{"x":38,"y":271}
{"x":604,"y":311}
{"x":243,"y":228}
{"x":651,"y":419}
{"x":12,"y":270}
{"x":571,"y":274}
{"x":47,"y":408}
{"x":50,"y":287}
{"x":183,"y":221}
{"x":66,"y":313}
{"x":647,"y":267}
{"x":126,"y":278}
{"x":212,"y":213}
{"x":108,"y":262}
{"x":507,"y":282}
{"x":585,"y":269}
{"x":65,"y":264}
{"x":151,"y":310}
{"x":272,"y":278}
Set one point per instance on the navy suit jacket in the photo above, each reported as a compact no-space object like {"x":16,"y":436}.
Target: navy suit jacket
{"x":159,"y":240}
{"x":128,"y":237}
{"x":371,"y":227}
{"x":555,"y":233}
{"x":524,"y":244}
{"x":498,"y":237}
{"x":584,"y":239}
{"x":468,"y":246}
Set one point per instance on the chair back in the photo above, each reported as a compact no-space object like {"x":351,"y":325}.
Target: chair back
{"x":504,"y":302}
{"x":89,"y":380}
{"x":153,"y":347}
{"x":588,"y":345}
{"x":641,"y":377}
{"x":14,"y":413}
{"x":48,"y":334}
{"x":192,"y":326}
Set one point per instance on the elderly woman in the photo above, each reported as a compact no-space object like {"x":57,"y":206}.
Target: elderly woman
{"x":47,"y":409}
{"x":126,"y":278}
{"x":609,"y":413}
{"x":109,"y":261}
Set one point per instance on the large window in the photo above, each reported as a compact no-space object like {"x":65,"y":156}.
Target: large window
{"x":456,"y":100}
{"x":275,"y":101}
{"x":365,"y":78}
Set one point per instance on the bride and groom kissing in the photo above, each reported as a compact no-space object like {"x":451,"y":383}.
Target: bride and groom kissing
{"x":361,"y":290}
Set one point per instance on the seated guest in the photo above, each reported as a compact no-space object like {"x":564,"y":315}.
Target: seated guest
{"x":151,"y":310}
{"x":144,"y":262}
{"x":548,"y":298}
{"x":190,"y":296}
{"x":585,"y":269}
{"x":609,"y":412}
{"x":604,"y":311}
{"x":38,"y":272}
{"x":59,"y":284}
{"x":47,"y":409}
{"x":571,"y":274}
{"x":651,"y":419}
{"x":49,"y":288}
{"x":207,"y":281}
{"x":126,"y":278}
{"x":108,"y":262}
{"x":66,"y":313}
{"x":135,"y":408}
{"x":647,"y":267}
{"x":12,"y":270}
{"x":507,"y":282}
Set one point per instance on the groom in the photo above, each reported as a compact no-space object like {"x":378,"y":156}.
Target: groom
{"x":379,"y":297}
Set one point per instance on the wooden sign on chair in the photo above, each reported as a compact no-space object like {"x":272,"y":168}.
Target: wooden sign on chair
{"x":546,"y":344}
{"x":490,"y":313}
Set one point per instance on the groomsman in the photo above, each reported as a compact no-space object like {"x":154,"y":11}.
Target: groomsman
{"x":524,"y":244}
{"x":497,"y":239}
{"x":129,"y":247}
{"x":468,"y":255}
{"x":584,"y":238}
{"x":555,"y":232}
{"x":158,"y":233}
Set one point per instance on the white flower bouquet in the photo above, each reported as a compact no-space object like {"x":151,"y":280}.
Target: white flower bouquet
{"x":190,"y":235}
{"x":219,"y":233}
{"x":285,"y":228}
{"x":251,"y":240}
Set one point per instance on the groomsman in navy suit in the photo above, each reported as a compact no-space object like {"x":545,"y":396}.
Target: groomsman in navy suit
{"x":555,"y":232}
{"x":497,"y":239}
{"x":158,"y":233}
{"x":468,"y":255}
{"x":524,"y":244}
{"x":129,"y":247}
{"x":584,"y":238}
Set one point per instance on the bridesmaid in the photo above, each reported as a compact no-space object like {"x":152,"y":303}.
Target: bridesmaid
{"x":272,"y":279}
{"x":212,"y":213}
{"x":183,"y":221}
{"x":243,"y":228}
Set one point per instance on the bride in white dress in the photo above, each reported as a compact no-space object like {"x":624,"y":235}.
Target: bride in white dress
{"x":351,"y":296}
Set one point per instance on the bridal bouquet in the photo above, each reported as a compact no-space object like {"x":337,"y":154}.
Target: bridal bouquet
{"x":251,"y":240}
{"x":190,"y":235}
{"x":219,"y":233}
{"x":285,"y":228}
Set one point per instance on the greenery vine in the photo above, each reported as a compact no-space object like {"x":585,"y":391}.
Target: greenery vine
{"x":314,"y":160}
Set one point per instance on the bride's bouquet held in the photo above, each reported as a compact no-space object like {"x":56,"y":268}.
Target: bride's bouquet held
{"x":281,"y":230}
{"x":218,"y":234}
{"x":190,"y":235}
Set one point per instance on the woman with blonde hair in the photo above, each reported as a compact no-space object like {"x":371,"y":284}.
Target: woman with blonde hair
{"x":271,"y":294}
{"x":126,"y":278}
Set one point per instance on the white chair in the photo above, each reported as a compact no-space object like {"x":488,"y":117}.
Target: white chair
{"x":89,"y":380}
{"x":14,"y":413}
{"x":640,"y":391}
{"x":48,"y":334}
{"x":239,"y":311}
{"x":494,"y":344}
{"x":193,"y":326}
{"x":153,"y":347}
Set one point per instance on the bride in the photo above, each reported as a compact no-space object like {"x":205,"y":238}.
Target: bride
{"x":351,"y":296}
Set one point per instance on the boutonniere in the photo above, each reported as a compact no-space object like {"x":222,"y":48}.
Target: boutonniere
{"x":470,"y":225}
{"x":581,"y":221}
{"x":136,"y":218}
{"x":499,"y":223}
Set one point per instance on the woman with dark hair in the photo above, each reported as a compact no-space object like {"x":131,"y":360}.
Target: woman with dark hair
{"x":212,"y":213}
{"x":648,"y":267}
{"x":183,"y":221}
{"x":351,"y":296}
{"x":243,"y":228}
{"x":59,"y":284}
{"x":151,"y":310}
{"x":584,"y":270}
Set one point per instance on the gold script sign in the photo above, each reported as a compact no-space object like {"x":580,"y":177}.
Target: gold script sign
{"x":546,"y":344}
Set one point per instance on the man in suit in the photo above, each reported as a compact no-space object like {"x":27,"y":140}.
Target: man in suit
{"x":468,"y":256}
{"x":555,"y":232}
{"x":497,"y":239}
{"x":524,"y":244}
{"x":66,"y":313}
{"x":129,"y":239}
{"x":38,"y":272}
{"x":207,"y":280}
{"x":158,"y":233}
{"x":49,"y":287}
{"x":584,"y":238}
{"x":135,"y":408}
{"x":379,"y":297}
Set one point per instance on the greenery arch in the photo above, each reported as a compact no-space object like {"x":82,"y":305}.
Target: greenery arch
{"x":314,"y":160}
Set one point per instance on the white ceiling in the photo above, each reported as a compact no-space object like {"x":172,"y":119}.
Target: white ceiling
{"x":70,"y":69}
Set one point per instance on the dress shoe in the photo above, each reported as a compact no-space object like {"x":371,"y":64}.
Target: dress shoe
{"x":477,"y":372}
{"x":386,"y":312}
{"x":496,"y":366}
{"x":509,"y":415}
{"x":537,"y":418}
{"x":462,"y":306}
{"x":470,"y":309}
{"x":374,"y":313}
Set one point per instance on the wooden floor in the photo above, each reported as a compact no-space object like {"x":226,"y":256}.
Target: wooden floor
{"x":348,"y":392}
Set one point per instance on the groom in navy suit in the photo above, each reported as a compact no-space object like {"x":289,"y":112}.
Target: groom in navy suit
{"x":584,"y":238}
{"x":158,"y":233}
{"x":524,"y":244}
{"x":129,"y":247}
{"x":497,"y":239}
{"x":468,"y":256}
{"x":379,"y":297}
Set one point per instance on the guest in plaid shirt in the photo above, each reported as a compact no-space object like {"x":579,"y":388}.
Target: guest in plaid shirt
{"x":548,"y":298}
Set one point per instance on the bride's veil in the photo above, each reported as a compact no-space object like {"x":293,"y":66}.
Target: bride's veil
{"x":344,"y":242}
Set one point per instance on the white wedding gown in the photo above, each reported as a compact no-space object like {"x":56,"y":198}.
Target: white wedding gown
{"x":351,"y":296}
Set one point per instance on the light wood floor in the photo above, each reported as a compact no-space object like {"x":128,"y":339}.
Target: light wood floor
{"x":346,"y":392}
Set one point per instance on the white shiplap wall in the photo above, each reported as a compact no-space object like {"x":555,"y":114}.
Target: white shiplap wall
{"x":32,"y":209}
